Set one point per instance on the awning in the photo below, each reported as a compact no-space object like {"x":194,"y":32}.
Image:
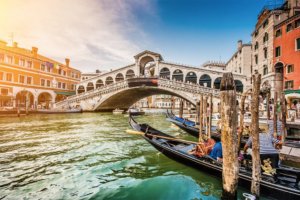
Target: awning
{"x":65,"y":93}
{"x":291,"y":91}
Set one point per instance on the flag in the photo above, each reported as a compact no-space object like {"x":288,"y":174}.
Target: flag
{"x":49,"y":64}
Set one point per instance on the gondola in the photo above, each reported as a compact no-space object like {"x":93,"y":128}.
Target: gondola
{"x":190,"y":127}
{"x":284,"y":186}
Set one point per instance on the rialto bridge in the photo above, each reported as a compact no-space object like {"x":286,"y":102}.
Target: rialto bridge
{"x":149,"y":75}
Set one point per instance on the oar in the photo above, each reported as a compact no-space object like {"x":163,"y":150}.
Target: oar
{"x":159,"y":136}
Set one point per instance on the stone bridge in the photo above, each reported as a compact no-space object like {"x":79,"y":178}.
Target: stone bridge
{"x":149,"y":75}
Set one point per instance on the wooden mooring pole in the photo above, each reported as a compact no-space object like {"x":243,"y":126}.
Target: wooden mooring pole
{"x":210,"y":114}
{"x":201,"y":118}
{"x":205,"y":114}
{"x":242,"y":115}
{"x":181,"y":108}
{"x":275,"y":115}
{"x":256,"y":170}
{"x":283,"y":116}
{"x":268,"y":106}
{"x":230,"y":171}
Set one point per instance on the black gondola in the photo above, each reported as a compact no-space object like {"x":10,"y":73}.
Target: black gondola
{"x":190,"y":127}
{"x":284,"y":186}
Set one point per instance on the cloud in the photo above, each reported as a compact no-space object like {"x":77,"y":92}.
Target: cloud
{"x":95,"y":34}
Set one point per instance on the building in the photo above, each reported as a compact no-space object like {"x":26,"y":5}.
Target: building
{"x":30,"y":79}
{"x":240,"y":62}
{"x":263,"y":37}
{"x":287,"y":54}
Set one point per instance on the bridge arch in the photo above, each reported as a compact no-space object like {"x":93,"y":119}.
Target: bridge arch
{"x":177,"y":75}
{"x":129,"y":74}
{"x":127,"y":97}
{"x":90,"y":86}
{"x":80,"y":89}
{"x":205,"y":80}
{"x":99,"y":83}
{"x":217,"y":83}
{"x":165,"y":73}
{"x":109,"y":80}
{"x":119,"y":77}
{"x":191,"y":77}
{"x":239,"y":86}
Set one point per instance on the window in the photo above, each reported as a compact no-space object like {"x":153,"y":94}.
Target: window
{"x":289,"y":84}
{"x":1,"y":76}
{"x":42,"y":82}
{"x":256,"y":59}
{"x":298,"y":44}
{"x":290,"y":69}
{"x":256,"y":46}
{"x":29,"y":64}
{"x":29,"y":80}
{"x":278,"y":33}
{"x":9,"y":59}
{"x":21,"y":79}
{"x":297,"y":23}
{"x":59,"y":85}
{"x":289,"y":27}
{"x":4,"y":91}
{"x":277,"y":17}
{"x":22,"y":62}
{"x":265,"y":70}
{"x":48,"y":83}
{"x":265,"y":52}
{"x":1,"y":57}
{"x":64,"y":85}
{"x":9,"y":77}
{"x":48,"y":68}
{"x":266,"y":37}
{"x":43,"y":67}
{"x":277,"y":52}
{"x":265,"y":23}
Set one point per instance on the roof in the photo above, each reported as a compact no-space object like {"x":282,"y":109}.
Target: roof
{"x":148,"y":52}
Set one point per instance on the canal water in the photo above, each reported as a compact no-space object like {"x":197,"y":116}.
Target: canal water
{"x":90,"y":156}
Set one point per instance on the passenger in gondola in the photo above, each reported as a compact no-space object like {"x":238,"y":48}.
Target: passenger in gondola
{"x":203,"y":148}
{"x":267,"y":149}
{"x":216,"y":152}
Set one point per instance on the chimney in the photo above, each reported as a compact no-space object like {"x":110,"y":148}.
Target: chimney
{"x":240,"y":44}
{"x":67,"y":62}
{"x":15,"y":44}
{"x":34,"y":51}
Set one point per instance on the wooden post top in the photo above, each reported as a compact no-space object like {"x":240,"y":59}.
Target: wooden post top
{"x":227,"y":82}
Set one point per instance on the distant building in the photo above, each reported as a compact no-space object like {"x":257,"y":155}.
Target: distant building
{"x":28,"y":77}
{"x":240,"y":62}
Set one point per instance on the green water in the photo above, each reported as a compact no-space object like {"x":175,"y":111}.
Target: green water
{"x":89,"y":156}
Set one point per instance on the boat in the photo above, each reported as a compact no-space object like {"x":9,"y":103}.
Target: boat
{"x":284,"y":186}
{"x":118,"y":111}
{"x":135,"y":111}
{"x":190,"y":127}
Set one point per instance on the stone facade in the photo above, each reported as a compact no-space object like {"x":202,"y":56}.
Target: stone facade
{"x":240,"y":62}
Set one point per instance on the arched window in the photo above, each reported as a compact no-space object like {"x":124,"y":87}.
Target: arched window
{"x":80,"y":89}
{"x":99,"y":83}
{"x":265,"y":70}
{"x":164,"y":73}
{"x":177,"y":75}
{"x":130,"y":74}
{"x":90,"y":86}
{"x":109,"y":80}
{"x":205,"y":80}
{"x":239,"y":86}
{"x":119,"y":77}
{"x":217,"y":83}
{"x":191,"y":77}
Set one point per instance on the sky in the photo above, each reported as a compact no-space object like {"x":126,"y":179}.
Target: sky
{"x":106,"y":34}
